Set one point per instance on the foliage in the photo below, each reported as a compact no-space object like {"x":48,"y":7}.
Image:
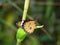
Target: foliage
{"x":48,"y":15}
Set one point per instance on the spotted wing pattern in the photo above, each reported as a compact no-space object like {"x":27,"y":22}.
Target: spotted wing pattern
{"x":29,"y":26}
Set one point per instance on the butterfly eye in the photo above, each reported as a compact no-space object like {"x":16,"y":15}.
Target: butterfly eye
{"x":29,"y":26}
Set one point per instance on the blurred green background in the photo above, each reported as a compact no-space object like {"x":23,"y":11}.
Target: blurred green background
{"x":44,"y":12}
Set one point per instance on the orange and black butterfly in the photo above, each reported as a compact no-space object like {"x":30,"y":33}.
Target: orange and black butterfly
{"x":28,"y":26}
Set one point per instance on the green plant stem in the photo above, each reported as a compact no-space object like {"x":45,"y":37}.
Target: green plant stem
{"x":48,"y":9}
{"x":25,"y":9}
{"x":18,"y":42}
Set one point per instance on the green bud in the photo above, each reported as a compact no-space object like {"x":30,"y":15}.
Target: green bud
{"x":21,"y":34}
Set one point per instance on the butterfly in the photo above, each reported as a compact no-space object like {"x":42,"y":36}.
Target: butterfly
{"x":28,"y":26}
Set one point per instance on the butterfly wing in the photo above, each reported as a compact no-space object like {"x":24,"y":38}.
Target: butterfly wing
{"x":29,"y":26}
